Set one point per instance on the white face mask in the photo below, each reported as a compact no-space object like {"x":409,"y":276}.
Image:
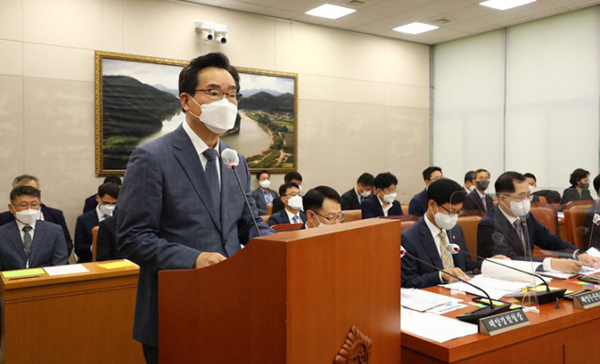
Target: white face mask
{"x":265,"y":184}
{"x":446,"y":222}
{"x":107,"y":209}
{"x":295,"y":203}
{"x":218,"y":116}
{"x":28,"y":217}
{"x":365,"y":194}
{"x":389,"y":197}
{"x":520,"y":208}
{"x":531,"y":189}
{"x":472,"y":188}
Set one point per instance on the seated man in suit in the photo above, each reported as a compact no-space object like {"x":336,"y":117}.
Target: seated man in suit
{"x":91,"y":202}
{"x":323,"y":207}
{"x":352,"y":199}
{"x":107,"y":243}
{"x":292,"y":199}
{"x":469,"y":181}
{"x":509,"y":229}
{"x":107,"y":201}
{"x":418,"y":204}
{"x":532,"y":182}
{"x":289,"y":177}
{"x":263,"y":195}
{"x":48,"y":214}
{"x":384,"y":202}
{"x":477,"y":200}
{"x":429,"y":239}
{"x":27,"y":241}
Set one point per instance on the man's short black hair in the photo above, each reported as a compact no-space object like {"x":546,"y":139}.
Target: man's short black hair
{"x":469,"y":176}
{"x":284,"y":187}
{"x":261,"y":173}
{"x":366,"y":180}
{"x":481,"y":170}
{"x":446,"y":190}
{"x":428,"y":171}
{"x":577,"y":176}
{"x":530,"y":175}
{"x":111,"y":189}
{"x":292,"y":176}
{"x":506,"y":182}
{"x":188,"y":77}
{"x":23,"y":190}
{"x":597,"y":183}
{"x":385,"y":180}
{"x":113,"y":179}
{"x":313,"y":199}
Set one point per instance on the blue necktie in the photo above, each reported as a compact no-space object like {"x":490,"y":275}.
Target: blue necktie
{"x":213,"y":178}
{"x":295,"y":218}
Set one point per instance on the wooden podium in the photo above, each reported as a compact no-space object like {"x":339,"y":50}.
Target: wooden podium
{"x":289,"y":298}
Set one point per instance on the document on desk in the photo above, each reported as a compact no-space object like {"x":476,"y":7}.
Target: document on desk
{"x":66,"y":269}
{"x":420,"y":300}
{"x":434,"y":327}
{"x":496,"y":288}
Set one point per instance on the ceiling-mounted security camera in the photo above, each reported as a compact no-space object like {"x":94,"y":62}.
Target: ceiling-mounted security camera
{"x":207,"y":29}
{"x":221,"y":33}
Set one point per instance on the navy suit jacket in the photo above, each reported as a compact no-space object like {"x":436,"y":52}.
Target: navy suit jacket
{"x":90,"y":203}
{"x":83,"y":235}
{"x":259,"y":199}
{"x":50,"y":215}
{"x":166,"y":219}
{"x":372,"y":208}
{"x":47,"y":248}
{"x":418,"y":241}
{"x":418,"y":204}
{"x":496,"y":235}
{"x":350,"y":200}
{"x":473,"y":202}
{"x":106,"y":245}
{"x":281,"y":217}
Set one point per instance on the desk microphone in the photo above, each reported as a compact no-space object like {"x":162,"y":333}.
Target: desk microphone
{"x":471,"y":316}
{"x":231,"y":160}
{"x":543,"y":297}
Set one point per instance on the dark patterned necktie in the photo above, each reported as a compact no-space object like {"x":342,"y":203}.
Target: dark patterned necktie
{"x":27,"y":239}
{"x":213,"y":178}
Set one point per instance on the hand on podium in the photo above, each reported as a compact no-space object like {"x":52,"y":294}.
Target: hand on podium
{"x":207,"y":259}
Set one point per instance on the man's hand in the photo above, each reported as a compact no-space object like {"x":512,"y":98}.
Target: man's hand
{"x":589,"y":261}
{"x":457,"y":272}
{"x":566,"y":265}
{"x":500,"y":256}
{"x":207,"y":259}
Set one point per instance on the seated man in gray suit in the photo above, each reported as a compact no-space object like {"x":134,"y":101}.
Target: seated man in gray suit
{"x":28,"y":242}
{"x":180,"y":207}
{"x":263,"y":195}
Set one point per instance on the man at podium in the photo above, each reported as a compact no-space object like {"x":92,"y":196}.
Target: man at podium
{"x":180,"y":207}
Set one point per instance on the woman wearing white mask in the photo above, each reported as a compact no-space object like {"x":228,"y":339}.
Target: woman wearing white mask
{"x":383,"y":203}
{"x":263,"y":195}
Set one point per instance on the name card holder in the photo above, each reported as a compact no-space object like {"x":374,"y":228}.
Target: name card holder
{"x":587,"y":300}
{"x":503,"y":322}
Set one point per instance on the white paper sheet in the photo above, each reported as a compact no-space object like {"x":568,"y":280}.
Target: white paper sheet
{"x":496,"y":288}
{"x":593,"y":252}
{"x":420,"y":300}
{"x":434,"y":327}
{"x":65,"y":269}
{"x":492,"y":270}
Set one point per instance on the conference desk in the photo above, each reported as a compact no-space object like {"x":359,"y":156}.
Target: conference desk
{"x":564,"y":335}
{"x":75,"y":318}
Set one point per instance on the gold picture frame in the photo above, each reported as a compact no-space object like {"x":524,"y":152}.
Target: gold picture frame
{"x":136,"y":100}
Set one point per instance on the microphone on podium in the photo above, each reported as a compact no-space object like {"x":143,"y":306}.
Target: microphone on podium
{"x":543,"y":297}
{"x":231,"y":159}
{"x":471,"y":316}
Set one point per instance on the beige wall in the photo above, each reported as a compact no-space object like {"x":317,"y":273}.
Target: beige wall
{"x":363,"y":100}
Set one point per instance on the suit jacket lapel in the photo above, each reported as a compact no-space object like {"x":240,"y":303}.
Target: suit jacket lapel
{"x":36,"y":244}
{"x":510,"y":234}
{"x":429,"y":244}
{"x":15,"y":238}
{"x":190,"y":162}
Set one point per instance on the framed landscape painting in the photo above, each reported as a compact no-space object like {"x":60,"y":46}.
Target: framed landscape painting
{"x":137,"y":100}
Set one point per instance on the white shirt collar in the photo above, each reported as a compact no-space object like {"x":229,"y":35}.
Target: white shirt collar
{"x":435,"y":231}
{"x":357,"y":194}
{"x":20,"y":225}
{"x":100,"y":214}
{"x":383,"y":207}
{"x":480,"y":194}
{"x":198,"y":143}
{"x":510,"y":219}
{"x":291,"y":216}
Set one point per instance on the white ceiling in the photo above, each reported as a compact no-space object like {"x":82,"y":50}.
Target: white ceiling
{"x":378,"y":17}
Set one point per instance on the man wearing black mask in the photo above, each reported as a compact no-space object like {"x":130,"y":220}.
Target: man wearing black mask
{"x":477,"y":199}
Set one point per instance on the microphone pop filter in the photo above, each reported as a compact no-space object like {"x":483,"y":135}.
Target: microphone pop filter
{"x":230,"y":158}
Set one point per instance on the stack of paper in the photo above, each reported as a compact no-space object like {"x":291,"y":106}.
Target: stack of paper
{"x":420,"y":300}
{"x":434,"y":327}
